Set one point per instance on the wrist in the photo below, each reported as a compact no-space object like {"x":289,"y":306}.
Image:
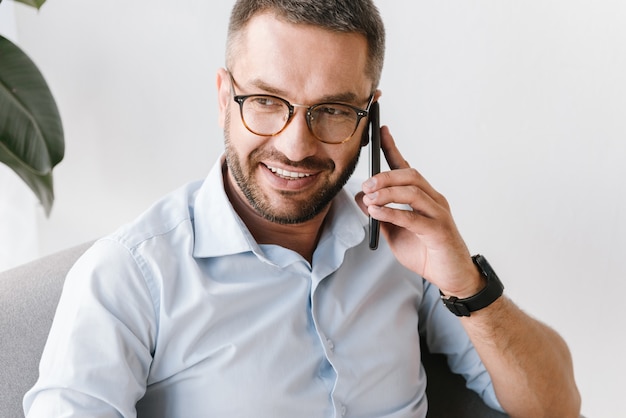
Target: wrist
{"x":474,"y":283}
{"x":485,"y":296}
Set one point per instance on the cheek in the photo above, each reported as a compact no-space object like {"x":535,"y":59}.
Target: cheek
{"x":346,"y":154}
{"x":239,"y":141}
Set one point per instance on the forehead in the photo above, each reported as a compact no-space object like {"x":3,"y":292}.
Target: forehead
{"x":305,"y":61}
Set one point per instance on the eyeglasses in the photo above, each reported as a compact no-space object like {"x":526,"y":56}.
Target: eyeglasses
{"x":267,"y":115}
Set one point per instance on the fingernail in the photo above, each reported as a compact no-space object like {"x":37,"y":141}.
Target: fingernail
{"x":370,"y":183}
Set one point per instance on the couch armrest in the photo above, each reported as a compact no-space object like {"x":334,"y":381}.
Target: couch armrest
{"x":447,"y":394}
{"x":29,"y":295}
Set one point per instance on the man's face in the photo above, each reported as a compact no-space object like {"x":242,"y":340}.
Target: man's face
{"x":291,"y":177}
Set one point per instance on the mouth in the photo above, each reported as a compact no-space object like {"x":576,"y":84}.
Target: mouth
{"x":288,"y":175}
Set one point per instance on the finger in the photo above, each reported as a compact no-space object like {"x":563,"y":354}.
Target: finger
{"x":390,"y":150}
{"x":439,"y":228}
{"x":359,"y":201}
{"x":409,"y":220}
{"x":408,"y":177}
{"x":405,"y":198}
{"x":396,"y":161}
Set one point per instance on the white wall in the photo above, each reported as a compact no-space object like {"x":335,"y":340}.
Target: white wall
{"x":18,"y":206}
{"x":515,"y":111}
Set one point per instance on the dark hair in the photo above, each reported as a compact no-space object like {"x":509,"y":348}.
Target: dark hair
{"x":356,"y":16}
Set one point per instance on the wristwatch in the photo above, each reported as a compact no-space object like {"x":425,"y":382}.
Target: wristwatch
{"x":482,"y":299}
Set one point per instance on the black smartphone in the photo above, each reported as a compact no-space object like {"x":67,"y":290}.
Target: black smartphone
{"x":374,"y":160}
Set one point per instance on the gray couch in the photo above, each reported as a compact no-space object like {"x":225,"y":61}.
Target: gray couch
{"x":28,"y":298}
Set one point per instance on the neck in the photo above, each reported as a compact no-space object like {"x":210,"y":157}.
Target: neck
{"x":301,"y":238}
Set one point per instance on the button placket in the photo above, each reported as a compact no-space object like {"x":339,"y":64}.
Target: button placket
{"x":320,"y":319}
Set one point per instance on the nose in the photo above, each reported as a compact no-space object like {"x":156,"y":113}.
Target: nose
{"x":296,"y":141}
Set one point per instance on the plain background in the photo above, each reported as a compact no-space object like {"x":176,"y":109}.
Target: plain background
{"x":516,"y":111}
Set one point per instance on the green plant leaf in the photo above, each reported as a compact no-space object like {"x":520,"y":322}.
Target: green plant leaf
{"x":31,"y":133}
{"x":35,"y":3}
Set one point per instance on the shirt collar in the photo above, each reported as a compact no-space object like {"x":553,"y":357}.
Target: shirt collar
{"x":219,"y":231}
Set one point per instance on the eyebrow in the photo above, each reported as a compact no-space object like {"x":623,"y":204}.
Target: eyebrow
{"x":345,"y":97}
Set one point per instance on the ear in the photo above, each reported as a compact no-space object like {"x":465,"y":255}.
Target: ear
{"x":365,"y":138}
{"x":224,"y":95}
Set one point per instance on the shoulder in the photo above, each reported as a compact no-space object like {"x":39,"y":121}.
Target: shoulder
{"x":147,"y":245}
{"x":162,"y":219}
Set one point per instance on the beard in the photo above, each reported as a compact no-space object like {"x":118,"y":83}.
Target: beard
{"x":301,"y":209}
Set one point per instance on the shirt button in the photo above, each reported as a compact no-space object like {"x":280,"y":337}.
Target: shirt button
{"x":331,"y":345}
{"x":343,"y":410}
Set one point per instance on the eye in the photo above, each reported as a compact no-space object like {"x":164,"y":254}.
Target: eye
{"x":334,"y":112}
{"x":266,"y":103}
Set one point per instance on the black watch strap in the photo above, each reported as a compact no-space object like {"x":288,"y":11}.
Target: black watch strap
{"x":482,"y":299}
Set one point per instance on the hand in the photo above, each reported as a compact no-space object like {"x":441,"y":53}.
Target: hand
{"x":424,"y":239}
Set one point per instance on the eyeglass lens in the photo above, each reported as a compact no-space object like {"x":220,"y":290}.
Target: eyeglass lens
{"x":329,"y":122}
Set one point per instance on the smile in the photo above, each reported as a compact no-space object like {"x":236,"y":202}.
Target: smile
{"x":288,"y":175}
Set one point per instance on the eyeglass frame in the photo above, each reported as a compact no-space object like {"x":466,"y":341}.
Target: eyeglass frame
{"x":241,"y":98}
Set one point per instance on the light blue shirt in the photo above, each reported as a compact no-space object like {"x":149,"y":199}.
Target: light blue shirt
{"x":182,"y":314}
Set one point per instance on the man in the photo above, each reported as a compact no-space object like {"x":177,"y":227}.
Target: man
{"x":255,"y":292}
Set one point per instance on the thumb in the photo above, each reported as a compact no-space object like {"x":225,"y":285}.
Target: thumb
{"x":358,"y":198}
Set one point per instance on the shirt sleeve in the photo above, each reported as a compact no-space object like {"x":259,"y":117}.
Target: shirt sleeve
{"x":445,"y":334}
{"x":99,"y":350}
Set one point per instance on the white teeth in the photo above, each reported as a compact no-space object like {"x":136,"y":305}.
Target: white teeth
{"x":287,"y":174}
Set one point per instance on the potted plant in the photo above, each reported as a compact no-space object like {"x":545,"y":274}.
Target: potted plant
{"x":31,"y":132}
